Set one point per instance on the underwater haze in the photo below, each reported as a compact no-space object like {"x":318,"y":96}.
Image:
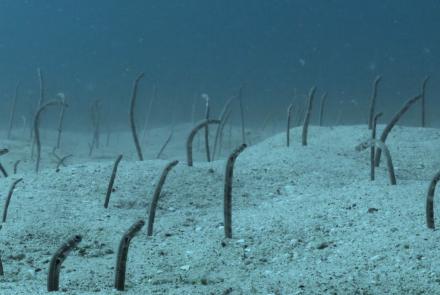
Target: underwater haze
{"x":220,"y":147}
{"x":94,"y":49}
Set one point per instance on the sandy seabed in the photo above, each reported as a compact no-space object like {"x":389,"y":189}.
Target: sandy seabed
{"x":306,"y":220}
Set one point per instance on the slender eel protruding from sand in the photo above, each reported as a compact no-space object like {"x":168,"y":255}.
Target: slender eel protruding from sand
{"x":156,"y":196}
{"x":3,"y":170}
{"x":112,"y":181}
{"x":95,"y":114}
{"x":423,"y":101}
{"x":121,"y":260}
{"x":41,"y":82}
{"x":380,"y":145}
{"x":189,"y":141}
{"x":2,"y":273}
{"x":321,"y":110}
{"x":222,"y":127}
{"x":373,"y":101}
{"x":430,"y":202}
{"x":165,"y":144}
{"x":393,"y":122}
{"x":132,"y":121}
{"x":16,"y":166}
{"x":289,"y":115}
{"x":207,"y":113}
{"x":37,"y":128}
{"x":40,"y":103}
{"x":12,"y":114}
{"x":372,"y":149}
{"x":61,"y":162}
{"x":223,"y":116}
{"x":307,"y":116}
{"x":55,"y":155}
{"x":227,"y":205}
{"x":53,"y":277}
{"x":61,"y":121}
{"x":8,"y":198}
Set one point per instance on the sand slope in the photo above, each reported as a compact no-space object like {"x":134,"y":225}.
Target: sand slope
{"x":306,"y":220}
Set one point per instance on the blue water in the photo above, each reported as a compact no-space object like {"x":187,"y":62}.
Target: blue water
{"x":94,"y":49}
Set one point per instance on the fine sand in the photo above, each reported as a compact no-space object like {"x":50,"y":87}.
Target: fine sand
{"x":306,"y":220}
